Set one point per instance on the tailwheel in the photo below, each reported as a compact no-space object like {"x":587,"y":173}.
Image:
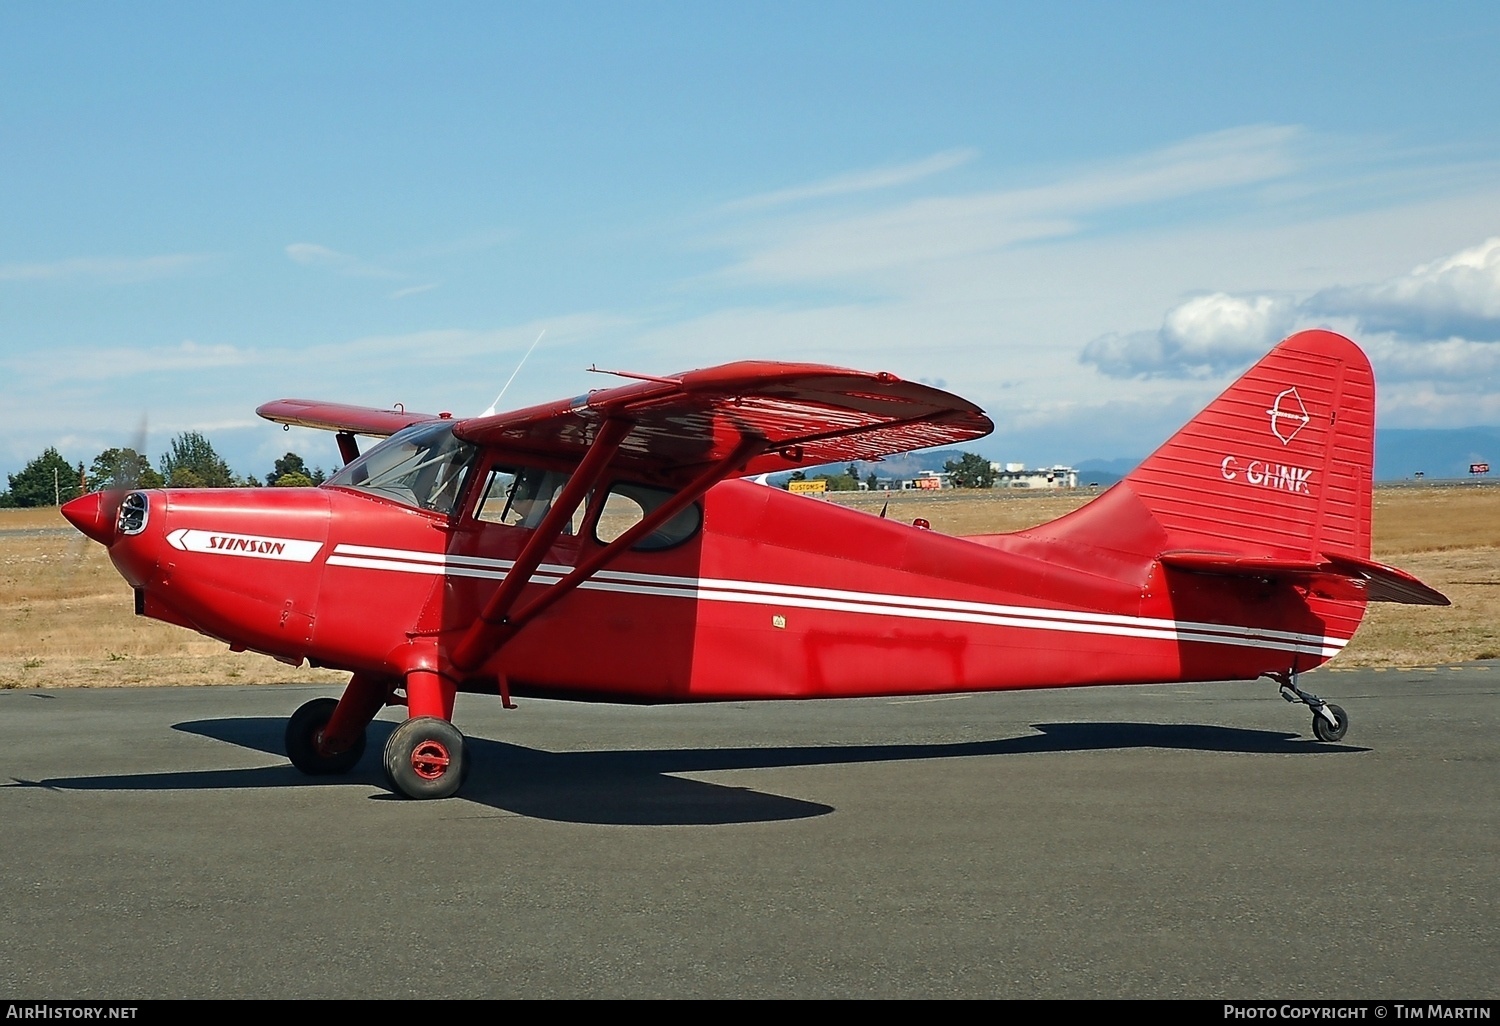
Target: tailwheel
{"x":304,"y":741}
{"x":1330,"y":722}
{"x":1327,"y":731}
{"x":425,"y":758}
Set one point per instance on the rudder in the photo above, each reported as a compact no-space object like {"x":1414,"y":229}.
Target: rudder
{"x":1279,"y":465}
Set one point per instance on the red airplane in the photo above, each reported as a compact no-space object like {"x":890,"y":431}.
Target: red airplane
{"x":594,"y":548}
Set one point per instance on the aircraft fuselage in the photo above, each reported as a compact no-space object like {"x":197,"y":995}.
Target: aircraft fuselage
{"x":775,"y":595}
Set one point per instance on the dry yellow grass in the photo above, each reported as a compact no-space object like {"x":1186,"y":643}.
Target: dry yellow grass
{"x":67,"y":620}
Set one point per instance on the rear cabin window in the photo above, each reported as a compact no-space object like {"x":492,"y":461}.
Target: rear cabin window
{"x":626,"y":505}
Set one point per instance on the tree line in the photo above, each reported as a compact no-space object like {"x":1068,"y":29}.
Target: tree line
{"x":970,"y":470}
{"x":189,"y":462}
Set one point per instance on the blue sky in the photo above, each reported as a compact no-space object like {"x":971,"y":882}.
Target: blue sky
{"x":1085,"y":217}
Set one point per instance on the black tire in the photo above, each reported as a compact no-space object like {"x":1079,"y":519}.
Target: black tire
{"x":302,"y":741}
{"x":1327,"y":732}
{"x":425,"y":758}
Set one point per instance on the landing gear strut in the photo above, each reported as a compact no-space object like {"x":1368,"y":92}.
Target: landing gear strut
{"x":1330,"y":722}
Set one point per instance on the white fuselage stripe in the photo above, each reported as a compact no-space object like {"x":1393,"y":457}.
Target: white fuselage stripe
{"x":792,"y":596}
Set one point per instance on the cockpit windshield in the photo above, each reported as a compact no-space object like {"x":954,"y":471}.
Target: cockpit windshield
{"x":423,"y":466}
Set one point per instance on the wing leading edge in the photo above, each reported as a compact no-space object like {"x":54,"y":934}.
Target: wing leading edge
{"x":807,"y":414}
{"x":354,"y":420}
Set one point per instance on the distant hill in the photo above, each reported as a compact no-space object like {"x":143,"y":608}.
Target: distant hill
{"x":1400,"y":453}
{"x":1104,"y":472}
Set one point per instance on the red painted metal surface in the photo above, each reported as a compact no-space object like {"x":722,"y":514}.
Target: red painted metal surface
{"x":1239,"y":548}
{"x":354,"y":420}
{"x":808,"y":414}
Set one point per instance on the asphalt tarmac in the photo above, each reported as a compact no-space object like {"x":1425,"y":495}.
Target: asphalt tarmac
{"x":1188,"y":841}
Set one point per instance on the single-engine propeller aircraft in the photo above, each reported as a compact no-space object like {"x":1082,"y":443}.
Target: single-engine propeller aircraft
{"x":596,"y":548}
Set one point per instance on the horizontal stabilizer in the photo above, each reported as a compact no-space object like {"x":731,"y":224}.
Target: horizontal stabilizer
{"x":1379,"y":582}
{"x":1387,"y":583}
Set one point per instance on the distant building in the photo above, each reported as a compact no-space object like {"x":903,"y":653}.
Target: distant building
{"x":1015,"y":475}
{"x":1007,"y":475}
{"x":927,"y":481}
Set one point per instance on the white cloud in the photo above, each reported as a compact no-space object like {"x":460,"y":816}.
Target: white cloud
{"x":1218,"y":160}
{"x":1221,"y":329}
{"x":1430,"y":335}
{"x":109,"y":270}
{"x":101,"y":393}
{"x":823,"y":248}
{"x":857,"y":182}
{"x":1473,"y":365}
{"x":1457,"y":296}
{"x":112,"y":363}
{"x":1128,"y":355}
{"x":1205,"y":336}
{"x":414,"y":290}
{"x":442,"y":347}
{"x":310,"y":254}
{"x":1438,"y":405}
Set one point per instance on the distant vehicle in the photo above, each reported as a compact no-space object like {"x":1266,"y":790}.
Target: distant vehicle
{"x":592,"y":548}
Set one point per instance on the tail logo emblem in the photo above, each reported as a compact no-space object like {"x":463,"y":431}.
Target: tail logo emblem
{"x":1288,"y":408}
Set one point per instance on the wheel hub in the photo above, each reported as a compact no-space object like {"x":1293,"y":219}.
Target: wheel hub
{"x":430,"y":759}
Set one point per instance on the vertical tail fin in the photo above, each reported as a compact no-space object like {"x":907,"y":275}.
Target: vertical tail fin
{"x":1255,"y":515}
{"x":1280,"y":464}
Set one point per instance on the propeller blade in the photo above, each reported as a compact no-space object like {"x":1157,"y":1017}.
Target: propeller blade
{"x":95,"y":513}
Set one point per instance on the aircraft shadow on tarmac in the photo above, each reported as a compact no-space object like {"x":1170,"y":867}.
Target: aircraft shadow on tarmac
{"x":641,"y":788}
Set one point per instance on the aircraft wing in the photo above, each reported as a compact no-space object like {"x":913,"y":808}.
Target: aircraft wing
{"x":355,"y":420}
{"x":1378,"y":582}
{"x":808,"y":414}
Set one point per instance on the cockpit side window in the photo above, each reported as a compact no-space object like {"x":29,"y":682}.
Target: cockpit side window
{"x":423,"y":466}
{"x":521,"y":497}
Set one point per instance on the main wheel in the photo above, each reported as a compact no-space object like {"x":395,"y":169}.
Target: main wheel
{"x":1326,"y":731}
{"x":425,"y":758}
{"x":302,"y":733}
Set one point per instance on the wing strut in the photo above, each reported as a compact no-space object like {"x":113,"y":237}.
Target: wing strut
{"x":348,"y":447}
{"x":663,"y":513}
{"x":489,"y":633}
{"x":472,"y":648}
